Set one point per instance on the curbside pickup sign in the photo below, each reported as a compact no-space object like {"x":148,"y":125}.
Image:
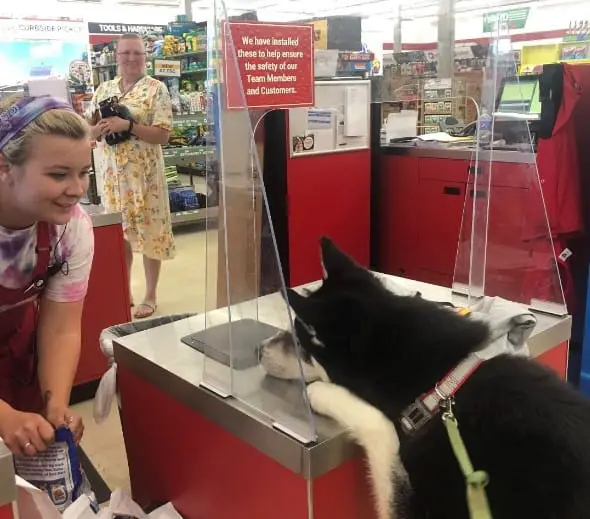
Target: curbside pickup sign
{"x":513,"y":18}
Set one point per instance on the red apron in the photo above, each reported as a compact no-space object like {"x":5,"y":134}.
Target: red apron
{"x":19,"y":385}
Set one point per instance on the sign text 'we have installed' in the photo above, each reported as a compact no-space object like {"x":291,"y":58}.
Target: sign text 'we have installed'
{"x":268,"y":65}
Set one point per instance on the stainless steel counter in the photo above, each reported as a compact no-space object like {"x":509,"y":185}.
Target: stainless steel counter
{"x":101,"y":217}
{"x":7,"y":481}
{"x":159,"y":357}
{"x":457,"y":153}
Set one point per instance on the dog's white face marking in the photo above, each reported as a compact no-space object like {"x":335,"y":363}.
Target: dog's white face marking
{"x":373,"y":431}
{"x":278,"y":356}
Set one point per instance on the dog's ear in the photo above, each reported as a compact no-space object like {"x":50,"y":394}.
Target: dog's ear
{"x":334,"y":262}
{"x":302,"y":306}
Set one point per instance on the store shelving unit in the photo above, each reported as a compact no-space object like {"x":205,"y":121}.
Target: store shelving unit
{"x":184,"y":155}
{"x":191,"y":161}
{"x":102,"y":73}
{"x":441,"y":98}
{"x":195,"y":216}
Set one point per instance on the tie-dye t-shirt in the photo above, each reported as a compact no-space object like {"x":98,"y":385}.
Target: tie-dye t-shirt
{"x":74,"y":245}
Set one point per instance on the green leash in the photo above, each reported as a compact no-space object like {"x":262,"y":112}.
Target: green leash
{"x":476,"y":480}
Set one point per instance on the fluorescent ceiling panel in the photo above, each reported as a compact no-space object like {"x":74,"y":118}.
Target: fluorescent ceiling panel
{"x":157,"y":3}
{"x":236,"y":4}
{"x":283,"y":10}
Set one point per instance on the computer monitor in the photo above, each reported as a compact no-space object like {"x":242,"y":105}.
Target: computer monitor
{"x":520,"y":95}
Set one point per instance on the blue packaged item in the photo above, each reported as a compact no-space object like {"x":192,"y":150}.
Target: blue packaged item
{"x":189,"y":200}
{"x":57,"y":472}
{"x":183,"y":199}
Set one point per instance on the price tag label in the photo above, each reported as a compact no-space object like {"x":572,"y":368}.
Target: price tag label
{"x":166,"y":68}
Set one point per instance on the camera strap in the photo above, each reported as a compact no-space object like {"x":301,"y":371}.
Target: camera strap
{"x":129,"y":89}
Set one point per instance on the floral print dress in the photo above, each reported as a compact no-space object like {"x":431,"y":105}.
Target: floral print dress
{"x":133,"y":171}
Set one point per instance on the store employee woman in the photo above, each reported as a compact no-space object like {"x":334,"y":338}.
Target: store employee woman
{"x":46,"y":249}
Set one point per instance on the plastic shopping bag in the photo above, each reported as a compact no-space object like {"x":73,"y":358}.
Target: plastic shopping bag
{"x":57,"y":472}
{"x":33,"y":503}
{"x":105,"y":394}
{"x":122,"y":506}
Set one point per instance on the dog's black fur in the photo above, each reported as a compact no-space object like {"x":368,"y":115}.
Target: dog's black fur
{"x":520,"y":423}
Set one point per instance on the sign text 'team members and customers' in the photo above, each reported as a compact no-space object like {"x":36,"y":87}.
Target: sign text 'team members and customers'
{"x":274,"y":62}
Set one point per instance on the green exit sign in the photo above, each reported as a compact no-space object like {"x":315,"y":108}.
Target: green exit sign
{"x":509,"y":19}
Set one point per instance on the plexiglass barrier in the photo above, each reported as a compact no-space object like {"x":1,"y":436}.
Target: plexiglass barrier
{"x":506,"y":245}
{"x":245,"y":284}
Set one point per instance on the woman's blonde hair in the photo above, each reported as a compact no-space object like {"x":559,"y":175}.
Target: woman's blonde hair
{"x":57,"y":122}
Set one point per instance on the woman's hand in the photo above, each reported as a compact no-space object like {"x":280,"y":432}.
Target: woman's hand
{"x":96,"y":132}
{"x":25,"y":434}
{"x":114,"y":125}
{"x":61,"y":416}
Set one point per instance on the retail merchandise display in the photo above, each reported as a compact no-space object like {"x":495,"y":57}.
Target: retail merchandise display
{"x":178,"y":58}
{"x":574,"y":48}
{"x":355,"y":63}
{"x":442,"y":99}
{"x":406,"y":76}
{"x":575,"y":51}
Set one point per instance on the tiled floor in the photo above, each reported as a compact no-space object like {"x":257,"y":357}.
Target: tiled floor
{"x":182,"y":289}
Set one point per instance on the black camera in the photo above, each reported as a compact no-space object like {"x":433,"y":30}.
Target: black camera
{"x":112,"y":108}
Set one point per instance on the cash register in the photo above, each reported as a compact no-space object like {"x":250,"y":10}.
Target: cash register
{"x":518,"y":110}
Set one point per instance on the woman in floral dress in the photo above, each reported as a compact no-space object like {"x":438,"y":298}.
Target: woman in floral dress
{"x":134,"y":179}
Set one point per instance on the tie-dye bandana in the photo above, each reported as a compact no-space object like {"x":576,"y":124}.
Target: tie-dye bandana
{"x":23,"y":113}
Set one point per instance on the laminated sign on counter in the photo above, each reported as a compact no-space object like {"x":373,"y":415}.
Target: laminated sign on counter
{"x":57,"y":471}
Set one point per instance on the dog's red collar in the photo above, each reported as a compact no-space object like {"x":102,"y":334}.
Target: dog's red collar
{"x":424,"y":408}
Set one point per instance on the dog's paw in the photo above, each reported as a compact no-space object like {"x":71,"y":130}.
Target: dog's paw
{"x":320,"y":396}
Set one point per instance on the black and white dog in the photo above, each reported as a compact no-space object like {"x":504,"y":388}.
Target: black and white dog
{"x":369,"y":354}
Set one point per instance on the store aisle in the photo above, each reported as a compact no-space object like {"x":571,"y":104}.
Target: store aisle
{"x":182,"y":281}
{"x":182,"y":289}
{"x":104,"y":445}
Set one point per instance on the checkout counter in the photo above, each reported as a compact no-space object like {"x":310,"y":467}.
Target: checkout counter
{"x":422,"y":191}
{"x":218,"y":458}
{"x":422,"y":196}
{"x":7,"y":483}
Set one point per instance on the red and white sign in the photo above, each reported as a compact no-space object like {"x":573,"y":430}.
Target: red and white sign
{"x":269,"y":65}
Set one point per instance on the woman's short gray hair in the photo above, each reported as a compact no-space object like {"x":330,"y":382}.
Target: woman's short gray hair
{"x":131,"y":36}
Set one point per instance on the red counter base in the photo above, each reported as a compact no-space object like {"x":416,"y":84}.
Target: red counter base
{"x":557,"y":359}
{"x":177,"y":455}
{"x":329,"y":195}
{"x":107,"y":301}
